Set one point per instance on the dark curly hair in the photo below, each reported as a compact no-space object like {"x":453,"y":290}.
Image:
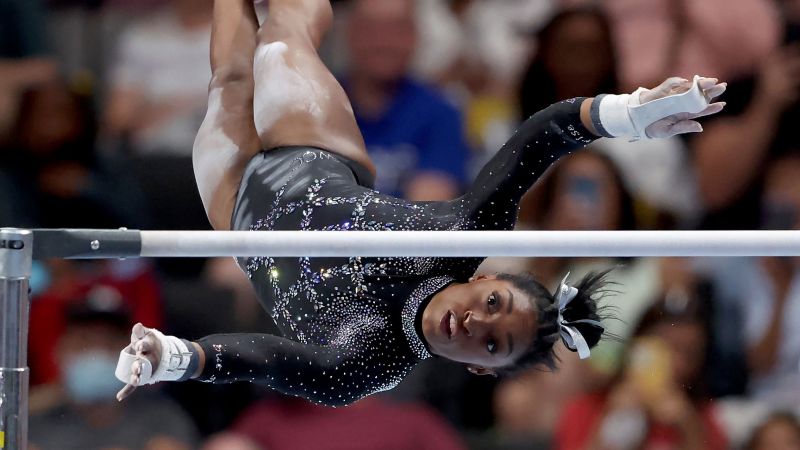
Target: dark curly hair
{"x":591,"y":289}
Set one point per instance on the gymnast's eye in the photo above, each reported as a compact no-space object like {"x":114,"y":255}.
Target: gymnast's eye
{"x":491,"y":346}
{"x":492,"y":301}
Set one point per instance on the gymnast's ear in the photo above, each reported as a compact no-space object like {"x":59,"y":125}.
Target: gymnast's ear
{"x":482,"y":277}
{"x":480,"y":370}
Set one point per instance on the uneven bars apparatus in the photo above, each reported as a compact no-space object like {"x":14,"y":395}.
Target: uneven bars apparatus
{"x":19,"y":247}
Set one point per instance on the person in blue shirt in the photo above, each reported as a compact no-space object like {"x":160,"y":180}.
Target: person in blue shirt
{"x":413,"y":134}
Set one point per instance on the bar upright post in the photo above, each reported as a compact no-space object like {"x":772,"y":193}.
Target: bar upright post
{"x":16,"y":250}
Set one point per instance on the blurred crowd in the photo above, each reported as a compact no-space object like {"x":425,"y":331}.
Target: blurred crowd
{"x":99,"y":104}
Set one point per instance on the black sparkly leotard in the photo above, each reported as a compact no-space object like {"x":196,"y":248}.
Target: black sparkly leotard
{"x":351,"y":326}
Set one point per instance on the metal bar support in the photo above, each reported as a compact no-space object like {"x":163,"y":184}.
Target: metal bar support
{"x":16,"y":253}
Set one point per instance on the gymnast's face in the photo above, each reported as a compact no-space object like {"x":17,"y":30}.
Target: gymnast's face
{"x":486,"y":323}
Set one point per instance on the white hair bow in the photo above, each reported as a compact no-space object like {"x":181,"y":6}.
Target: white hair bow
{"x":573,"y":338}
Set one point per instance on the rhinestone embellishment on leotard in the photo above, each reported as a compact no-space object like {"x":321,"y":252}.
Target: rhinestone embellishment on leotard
{"x":410,"y":311}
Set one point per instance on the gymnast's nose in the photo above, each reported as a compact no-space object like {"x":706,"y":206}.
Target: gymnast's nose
{"x":473,"y":323}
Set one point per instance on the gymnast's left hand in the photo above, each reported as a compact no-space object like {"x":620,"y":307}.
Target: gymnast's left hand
{"x":146,"y":346}
{"x":682,"y":122}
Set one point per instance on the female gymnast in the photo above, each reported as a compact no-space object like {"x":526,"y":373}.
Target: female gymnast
{"x":280,"y":150}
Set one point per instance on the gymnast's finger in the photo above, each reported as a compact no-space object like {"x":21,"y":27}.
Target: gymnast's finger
{"x":675,"y":85}
{"x":139,"y":332}
{"x":126,"y":391}
{"x":136,"y":369}
{"x":144,"y":347}
{"x":685,"y":126}
{"x":712,"y":109}
{"x":716,"y":90}
{"x":707,"y":83}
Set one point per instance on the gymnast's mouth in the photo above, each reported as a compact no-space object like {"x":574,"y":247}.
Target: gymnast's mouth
{"x":449,"y":324}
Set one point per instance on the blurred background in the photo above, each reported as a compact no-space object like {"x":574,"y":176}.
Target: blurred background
{"x":99,"y":104}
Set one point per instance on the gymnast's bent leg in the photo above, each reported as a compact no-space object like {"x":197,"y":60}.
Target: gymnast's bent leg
{"x":298,"y":102}
{"x":227,"y":139}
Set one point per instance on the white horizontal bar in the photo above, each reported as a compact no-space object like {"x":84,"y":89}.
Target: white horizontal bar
{"x":469,"y":243}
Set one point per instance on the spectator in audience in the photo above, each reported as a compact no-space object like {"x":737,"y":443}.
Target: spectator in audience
{"x":131,"y":282}
{"x":759,"y":124}
{"x":88,"y":417}
{"x":781,"y":431}
{"x":283,"y":423}
{"x":413,"y":135}
{"x":766,"y":294}
{"x":658,"y":400}
{"x":477,"y":44}
{"x":159,"y":81}
{"x":575,"y":57}
{"x":657,"y":170}
{"x":475,"y":50}
{"x":57,"y":177}
{"x":658,"y":38}
{"x":527,"y":408}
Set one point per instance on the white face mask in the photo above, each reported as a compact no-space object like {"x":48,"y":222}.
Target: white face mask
{"x":89,"y":377}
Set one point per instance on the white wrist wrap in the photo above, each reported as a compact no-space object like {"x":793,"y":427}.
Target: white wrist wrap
{"x":614,"y":115}
{"x":175,"y":359}
{"x":624,"y":115}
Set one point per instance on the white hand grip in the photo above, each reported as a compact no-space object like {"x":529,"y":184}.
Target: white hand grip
{"x":126,"y":359}
{"x":643,"y":115}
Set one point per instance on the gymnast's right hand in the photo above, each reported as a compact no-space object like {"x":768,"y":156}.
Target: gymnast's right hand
{"x":151,"y":357}
{"x":144,"y":350}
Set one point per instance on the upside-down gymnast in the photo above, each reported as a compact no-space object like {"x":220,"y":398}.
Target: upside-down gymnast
{"x":280,"y":150}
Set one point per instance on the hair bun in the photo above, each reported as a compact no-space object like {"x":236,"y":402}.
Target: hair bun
{"x":585,"y":306}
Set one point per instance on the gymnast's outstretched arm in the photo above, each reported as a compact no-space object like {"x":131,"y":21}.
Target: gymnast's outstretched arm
{"x":564,"y":127}
{"x":330,"y":375}
{"x":538,"y":143}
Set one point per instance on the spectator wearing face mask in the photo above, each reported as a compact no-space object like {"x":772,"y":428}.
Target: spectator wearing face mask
{"x":88,"y":417}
